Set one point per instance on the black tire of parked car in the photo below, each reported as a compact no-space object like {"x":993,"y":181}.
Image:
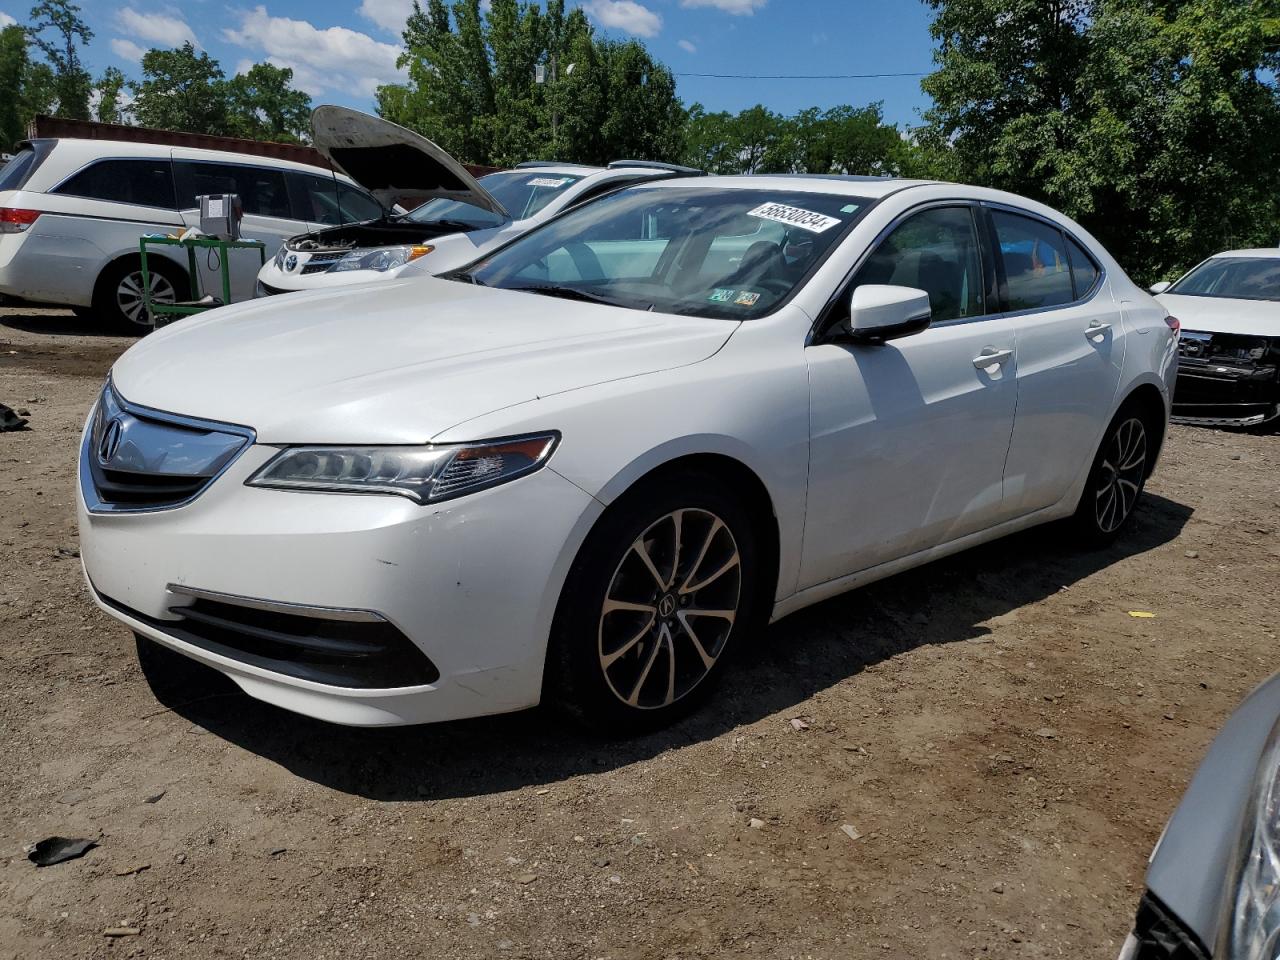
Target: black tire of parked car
{"x":1117,"y":478}
{"x":715,"y":566}
{"x":113,"y":295}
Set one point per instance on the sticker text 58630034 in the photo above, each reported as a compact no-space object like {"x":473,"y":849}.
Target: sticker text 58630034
{"x":795,"y":217}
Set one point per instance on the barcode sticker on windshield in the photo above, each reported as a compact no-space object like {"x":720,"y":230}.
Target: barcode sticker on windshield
{"x":795,"y":217}
{"x":548,"y":181}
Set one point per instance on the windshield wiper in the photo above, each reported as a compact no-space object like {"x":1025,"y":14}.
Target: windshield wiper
{"x":566,"y":293}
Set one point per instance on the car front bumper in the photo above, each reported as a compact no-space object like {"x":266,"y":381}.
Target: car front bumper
{"x":471,"y":583}
{"x":272,"y":280}
{"x":1212,"y":392}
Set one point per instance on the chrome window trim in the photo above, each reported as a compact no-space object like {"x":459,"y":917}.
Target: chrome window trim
{"x":88,"y":490}
{"x":346,"y":614}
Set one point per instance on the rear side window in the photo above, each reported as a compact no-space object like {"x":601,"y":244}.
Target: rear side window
{"x":262,"y":190}
{"x":1036,"y":265}
{"x":143,"y":183}
{"x":1084,"y":271}
{"x":328,"y":200}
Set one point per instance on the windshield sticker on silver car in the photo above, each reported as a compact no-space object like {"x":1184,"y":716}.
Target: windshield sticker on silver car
{"x":721,"y":295}
{"x":794,"y":217}
{"x":548,"y":181}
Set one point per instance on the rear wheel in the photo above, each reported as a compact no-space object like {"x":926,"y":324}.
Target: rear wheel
{"x":118,"y":300}
{"x":656,"y":603}
{"x":1116,"y":481}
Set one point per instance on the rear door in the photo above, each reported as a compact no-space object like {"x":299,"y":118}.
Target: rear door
{"x":1070,"y":355}
{"x":268,"y":213}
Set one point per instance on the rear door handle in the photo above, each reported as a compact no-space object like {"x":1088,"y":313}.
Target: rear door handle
{"x":990,"y":357}
{"x":1095,"y":328}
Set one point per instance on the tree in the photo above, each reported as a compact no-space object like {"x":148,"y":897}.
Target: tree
{"x":109,"y":88}
{"x":518,"y":82}
{"x":262,"y":105}
{"x":13,"y":71}
{"x":181,"y":90}
{"x":71,"y":80}
{"x":1154,"y":122}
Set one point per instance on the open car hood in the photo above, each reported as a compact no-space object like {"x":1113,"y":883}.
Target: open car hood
{"x":394,"y":164}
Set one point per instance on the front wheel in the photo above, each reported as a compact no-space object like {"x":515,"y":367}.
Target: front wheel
{"x":1116,"y":480}
{"x":657,"y":601}
{"x":118,"y":299}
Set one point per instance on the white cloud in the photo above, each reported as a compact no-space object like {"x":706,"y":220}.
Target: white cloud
{"x":335,"y":58}
{"x":739,"y":8}
{"x":127,"y":50}
{"x":155,"y":27}
{"x":625,"y":15}
{"x":390,"y":15}
{"x":6,"y":20}
{"x":687,"y":46}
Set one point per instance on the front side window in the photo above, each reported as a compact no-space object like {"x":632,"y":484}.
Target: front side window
{"x":1239,"y":278}
{"x":698,"y":251}
{"x":936,"y":251}
{"x":330,"y":201}
{"x":262,"y":190}
{"x":143,"y":183}
{"x":1036,"y":265}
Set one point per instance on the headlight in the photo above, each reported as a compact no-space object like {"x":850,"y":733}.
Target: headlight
{"x":383,"y":258}
{"x":1252,"y":929}
{"x":426,"y":474}
{"x":280,"y":255}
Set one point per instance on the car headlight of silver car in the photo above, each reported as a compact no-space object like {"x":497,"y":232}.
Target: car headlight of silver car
{"x":427,"y":474}
{"x":1251,"y":929}
{"x":381,"y":259}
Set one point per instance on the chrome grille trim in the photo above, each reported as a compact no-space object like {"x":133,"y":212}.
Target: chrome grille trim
{"x":347,"y":614}
{"x":139,"y":417}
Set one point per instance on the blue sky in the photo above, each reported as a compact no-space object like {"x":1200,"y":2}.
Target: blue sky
{"x":340,"y":51}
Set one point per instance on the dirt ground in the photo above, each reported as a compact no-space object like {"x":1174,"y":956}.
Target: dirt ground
{"x":1006,"y":739}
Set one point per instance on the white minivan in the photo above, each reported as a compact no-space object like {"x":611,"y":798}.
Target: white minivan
{"x":72,"y":212}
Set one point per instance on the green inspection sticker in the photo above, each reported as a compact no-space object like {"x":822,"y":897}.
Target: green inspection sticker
{"x":721,"y":295}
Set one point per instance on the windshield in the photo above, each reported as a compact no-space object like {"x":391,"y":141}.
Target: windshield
{"x":522,"y":194}
{"x":699,"y":251}
{"x":1240,"y":278}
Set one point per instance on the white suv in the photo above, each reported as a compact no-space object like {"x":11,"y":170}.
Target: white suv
{"x":72,"y":212}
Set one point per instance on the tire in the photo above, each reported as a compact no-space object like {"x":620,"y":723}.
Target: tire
{"x":631,"y":648}
{"x":83,"y":313}
{"x":117,"y":298}
{"x":173,"y":678}
{"x":1116,"y":479}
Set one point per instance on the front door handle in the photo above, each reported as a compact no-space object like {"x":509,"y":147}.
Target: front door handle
{"x":990,"y":357}
{"x":1096,"y":328}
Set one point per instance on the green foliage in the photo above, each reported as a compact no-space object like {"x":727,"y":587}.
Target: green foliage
{"x":183,"y":90}
{"x":13,"y":70}
{"x":842,"y":140}
{"x":472,"y":86}
{"x":72,"y":82}
{"x":1156,"y":123}
{"x":262,"y":105}
{"x":109,"y":88}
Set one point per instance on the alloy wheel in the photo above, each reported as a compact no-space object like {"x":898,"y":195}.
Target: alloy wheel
{"x":129,"y":295}
{"x":670,"y":608}
{"x":1121,"y":474}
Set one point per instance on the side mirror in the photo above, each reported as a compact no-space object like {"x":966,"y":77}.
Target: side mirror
{"x":1160,"y":287}
{"x":880,"y":312}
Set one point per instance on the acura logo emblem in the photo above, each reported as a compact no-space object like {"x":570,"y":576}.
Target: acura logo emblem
{"x":110,"y":441}
{"x":667,"y":606}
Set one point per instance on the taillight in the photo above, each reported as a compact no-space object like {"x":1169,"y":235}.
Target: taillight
{"x":15,"y":220}
{"x":1174,"y":324}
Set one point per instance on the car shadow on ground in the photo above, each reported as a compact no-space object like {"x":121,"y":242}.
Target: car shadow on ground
{"x":944,"y":602}
{"x":54,"y":321}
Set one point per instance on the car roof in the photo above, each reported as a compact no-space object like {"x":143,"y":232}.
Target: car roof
{"x":1270,"y":253}
{"x":96,"y":149}
{"x":869,"y":187}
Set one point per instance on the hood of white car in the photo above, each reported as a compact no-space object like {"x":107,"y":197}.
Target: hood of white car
{"x":1259,"y":318}
{"x":396,"y":165}
{"x":398,"y":361}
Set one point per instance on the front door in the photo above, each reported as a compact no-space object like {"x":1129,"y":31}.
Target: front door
{"x":909,"y":438}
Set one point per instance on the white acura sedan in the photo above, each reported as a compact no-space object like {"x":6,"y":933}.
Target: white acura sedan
{"x":582,"y":469}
